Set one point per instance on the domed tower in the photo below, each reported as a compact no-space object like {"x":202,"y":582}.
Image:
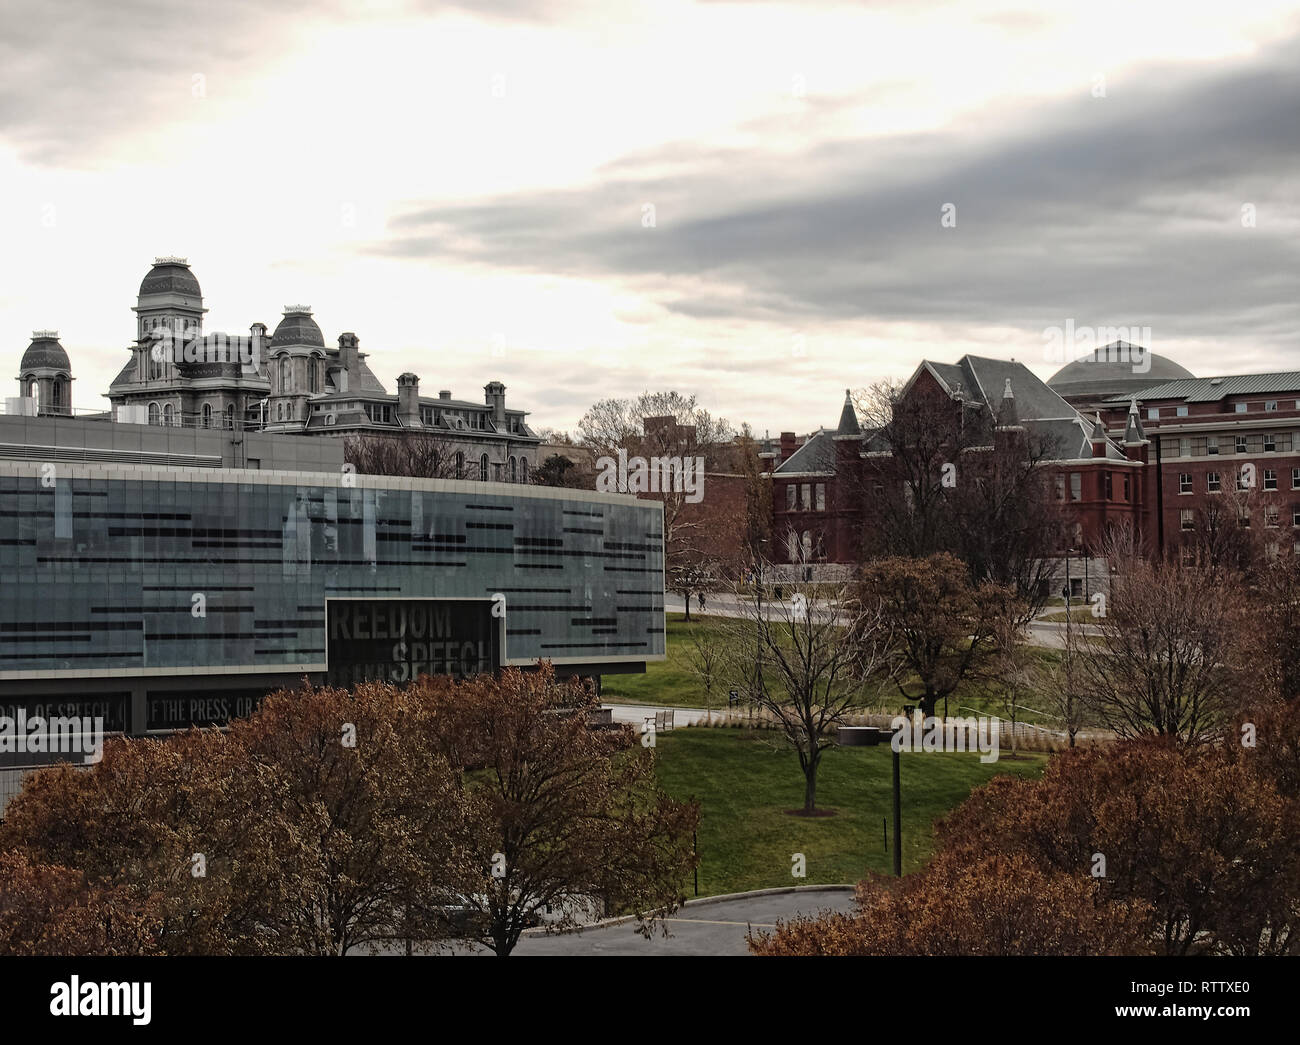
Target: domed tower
{"x":45,"y":374}
{"x":297,"y":366}
{"x":170,"y":302}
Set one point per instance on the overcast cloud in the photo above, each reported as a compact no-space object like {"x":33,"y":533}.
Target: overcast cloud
{"x":465,"y":186}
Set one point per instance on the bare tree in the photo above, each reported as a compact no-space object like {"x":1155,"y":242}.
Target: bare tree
{"x":706,"y":656}
{"x":821,"y":650}
{"x":952,"y":481}
{"x":669,"y":425}
{"x":1167,"y":655}
{"x":422,"y":454}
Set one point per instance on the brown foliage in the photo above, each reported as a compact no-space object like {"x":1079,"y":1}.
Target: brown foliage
{"x":51,"y":910}
{"x":574,"y":811}
{"x":944,"y":625}
{"x":1201,"y":851}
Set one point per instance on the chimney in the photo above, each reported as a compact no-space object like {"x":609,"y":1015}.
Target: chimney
{"x":495,"y":396}
{"x":349,"y":362}
{"x":445,"y":394}
{"x":408,"y":400}
{"x":787,"y":446}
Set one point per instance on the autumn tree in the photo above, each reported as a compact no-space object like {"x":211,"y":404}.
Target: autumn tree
{"x":997,"y":904}
{"x":565,"y":815}
{"x":47,"y":910}
{"x":944,"y":625}
{"x":1143,"y":847}
{"x":322,"y":823}
{"x":175,"y":825}
{"x":368,"y":811}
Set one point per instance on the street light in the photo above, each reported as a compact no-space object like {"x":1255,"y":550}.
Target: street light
{"x":873,"y":736}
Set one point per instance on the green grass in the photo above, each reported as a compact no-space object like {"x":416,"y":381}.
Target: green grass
{"x":670,"y":682}
{"x":1084,"y":616}
{"x":745,"y":781}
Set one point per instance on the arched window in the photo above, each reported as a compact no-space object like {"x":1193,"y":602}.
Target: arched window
{"x":154,"y":354}
{"x":483,"y":468}
{"x":56,"y":393}
{"x":207,"y":415}
{"x":313,"y":376}
{"x":230,"y":415}
{"x":523,"y":469}
{"x":460,"y":465}
{"x":153,"y":413}
{"x":169,"y":415}
{"x":514,"y":470}
{"x":31,"y":387}
{"x":284,"y":375}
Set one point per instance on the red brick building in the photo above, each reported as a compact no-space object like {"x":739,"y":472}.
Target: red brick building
{"x":1154,"y":457}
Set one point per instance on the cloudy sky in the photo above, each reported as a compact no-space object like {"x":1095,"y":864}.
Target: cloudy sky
{"x":586,"y":199}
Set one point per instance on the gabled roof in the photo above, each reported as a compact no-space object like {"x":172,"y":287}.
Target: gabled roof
{"x":816,"y":455}
{"x":1039,"y":409}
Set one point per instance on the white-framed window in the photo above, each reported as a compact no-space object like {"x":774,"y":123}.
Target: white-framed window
{"x":805,"y":496}
{"x":169,"y":415}
{"x":230,"y":415}
{"x":1153,"y":413}
{"x":1240,"y":407}
{"x":1186,"y":518}
{"x":1270,"y":515}
{"x":1184,"y":482}
{"x":821,"y":497}
{"x":1241,"y":444}
{"x":789,"y":497}
{"x":155,"y":415}
{"x":1295,"y":478}
{"x":1060,"y":488}
{"x":1076,"y":487}
{"x":1270,"y":404}
{"x":1270,"y":444}
{"x":1181,"y":411}
{"x":1270,"y":479}
{"x":1212,"y":482}
{"x":1295,"y":515}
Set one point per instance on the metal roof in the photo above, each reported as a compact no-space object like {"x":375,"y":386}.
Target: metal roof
{"x":1212,"y":389}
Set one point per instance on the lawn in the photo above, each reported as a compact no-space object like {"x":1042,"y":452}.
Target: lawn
{"x":744,"y":781}
{"x":671,"y":683}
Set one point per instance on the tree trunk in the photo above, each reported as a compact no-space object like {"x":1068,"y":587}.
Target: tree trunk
{"x":810,"y":787}
{"x":688,"y":605}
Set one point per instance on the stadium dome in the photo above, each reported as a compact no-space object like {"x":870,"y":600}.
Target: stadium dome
{"x":1116,"y":369}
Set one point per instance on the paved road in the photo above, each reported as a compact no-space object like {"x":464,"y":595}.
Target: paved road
{"x":1049,"y":634}
{"x":699,"y":928}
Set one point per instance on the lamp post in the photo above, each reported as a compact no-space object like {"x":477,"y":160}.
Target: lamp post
{"x":873,"y":736}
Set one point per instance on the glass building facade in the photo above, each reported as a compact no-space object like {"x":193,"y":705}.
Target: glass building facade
{"x":130,"y":579}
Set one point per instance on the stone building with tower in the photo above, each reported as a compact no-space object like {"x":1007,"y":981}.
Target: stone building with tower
{"x":284,"y":381}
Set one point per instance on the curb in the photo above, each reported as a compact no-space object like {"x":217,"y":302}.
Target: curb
{"x":702,"y":901}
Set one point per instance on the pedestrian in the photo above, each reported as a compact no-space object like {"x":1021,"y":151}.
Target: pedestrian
{"x":700,"y":599}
